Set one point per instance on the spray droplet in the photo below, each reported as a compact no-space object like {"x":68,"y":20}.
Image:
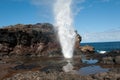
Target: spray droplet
{"x":64,"y":24}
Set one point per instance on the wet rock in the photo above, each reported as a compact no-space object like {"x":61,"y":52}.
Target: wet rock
{"x":115,"y":70}
{"x":49,"y":69}
{"x":22,"y":66}
{"x":107,"y":76}
{"x":87,"y":49}
{"x":107,"y":60}
{"x":115,"y":51}
{"x":117,"y":59}
{"x":38,"y":75}
{"x":2,"y":62}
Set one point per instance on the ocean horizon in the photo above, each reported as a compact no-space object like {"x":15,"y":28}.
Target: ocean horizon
{"x":104,"y":46}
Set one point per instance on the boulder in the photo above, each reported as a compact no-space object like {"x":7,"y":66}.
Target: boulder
{"x":117,"y":59}
{"x":107,"y":60}
{"x":87,"y":48}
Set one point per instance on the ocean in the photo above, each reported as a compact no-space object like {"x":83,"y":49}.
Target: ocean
{"x":104,"y":46}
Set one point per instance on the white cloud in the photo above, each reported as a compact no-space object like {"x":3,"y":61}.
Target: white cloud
{"x":49,"y":4}
{"x":75,"y":8}
{"x":77,"y":5}
{"x":112,"y":35}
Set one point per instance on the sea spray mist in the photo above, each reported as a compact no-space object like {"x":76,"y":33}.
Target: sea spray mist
{"x":64,"y":25}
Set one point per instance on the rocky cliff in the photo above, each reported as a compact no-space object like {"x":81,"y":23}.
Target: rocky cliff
{"x":37,"y":40}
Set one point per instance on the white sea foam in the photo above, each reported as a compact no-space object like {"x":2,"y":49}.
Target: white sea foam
{"x":64,"y":25}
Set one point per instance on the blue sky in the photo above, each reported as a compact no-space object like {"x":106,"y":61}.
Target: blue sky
{"x":95,"y":20}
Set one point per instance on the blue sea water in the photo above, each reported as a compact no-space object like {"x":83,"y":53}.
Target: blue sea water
{"x":104,"y":46}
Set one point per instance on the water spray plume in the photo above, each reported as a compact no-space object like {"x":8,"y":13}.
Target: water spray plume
{"x":64,"y":25}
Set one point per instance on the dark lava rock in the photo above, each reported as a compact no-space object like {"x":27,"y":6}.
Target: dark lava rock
{"x":27,"y":40}
{"x":112,"y":57}
{"x":56,"y":67}
{"x":7,"y":36}
{"x":38,"y":75}
{"x":22,"y":66}
{"x":49,"y":69}
{"x":107,"y":60}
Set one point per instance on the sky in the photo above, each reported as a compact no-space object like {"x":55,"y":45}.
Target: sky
{"x":95,"y":20}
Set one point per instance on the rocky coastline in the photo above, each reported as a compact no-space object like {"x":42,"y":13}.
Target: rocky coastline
{"x":32,"y":52}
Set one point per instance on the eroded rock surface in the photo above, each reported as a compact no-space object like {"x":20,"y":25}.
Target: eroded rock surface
{"x":27,"y":39}
{"x":39,"y":40}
